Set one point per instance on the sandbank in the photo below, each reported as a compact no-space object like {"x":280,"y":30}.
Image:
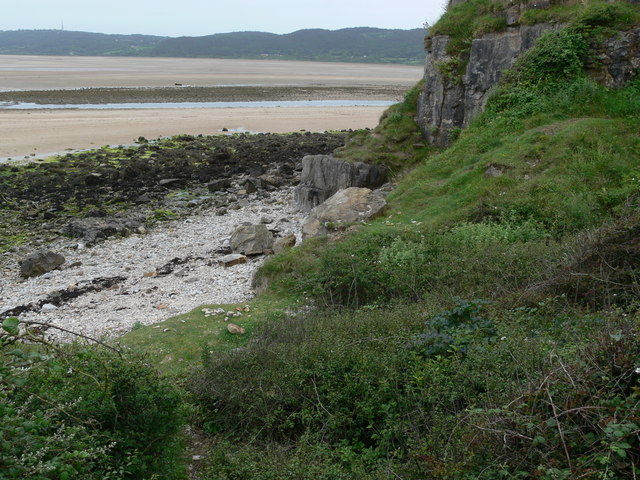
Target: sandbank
{"x":42,"y":132}
{"x":22,"y":72}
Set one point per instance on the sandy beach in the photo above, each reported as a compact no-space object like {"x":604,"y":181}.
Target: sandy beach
{"x":43,"y":132}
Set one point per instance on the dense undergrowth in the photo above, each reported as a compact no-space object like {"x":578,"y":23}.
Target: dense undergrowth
{"x":534,"y":210}
{"x":85,"y":413}
{"x":486,"y":328}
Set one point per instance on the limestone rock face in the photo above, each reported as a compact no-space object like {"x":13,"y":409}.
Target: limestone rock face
{"x":445,"y":104}
{"x":324,"y":175}
{"x":346,"y":206}
{"x":39,"y":263}
{"x":251,"y":239}
{"x":618,"y":59}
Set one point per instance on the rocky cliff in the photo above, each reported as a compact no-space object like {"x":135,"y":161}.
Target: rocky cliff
{"x":450,"y":101}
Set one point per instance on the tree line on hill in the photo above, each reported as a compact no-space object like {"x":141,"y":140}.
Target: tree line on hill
{"x":363,"y":44}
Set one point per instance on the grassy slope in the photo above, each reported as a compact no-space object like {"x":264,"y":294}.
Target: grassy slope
{"x":408,"y":382}
{"x":177,"y":344}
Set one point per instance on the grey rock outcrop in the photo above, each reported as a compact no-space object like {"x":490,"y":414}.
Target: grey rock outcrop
{"x":39,"y":263}
{"x":346,"y":206}
{"x":251,"y":239}
{"x":618,"y":59}
{"x":324,"y":175}
{"x":445,"y":104}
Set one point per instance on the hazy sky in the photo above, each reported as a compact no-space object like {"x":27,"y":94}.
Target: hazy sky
{"x":203,"y":17}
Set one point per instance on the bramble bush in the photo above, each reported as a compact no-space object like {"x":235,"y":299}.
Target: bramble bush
{"x":383,"y":390}
{"x":84,"y":412}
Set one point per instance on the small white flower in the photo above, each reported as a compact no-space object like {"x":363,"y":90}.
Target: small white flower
{"x":70,"y":371}
{"x":503,"y":338}
{"x":638,"y":370}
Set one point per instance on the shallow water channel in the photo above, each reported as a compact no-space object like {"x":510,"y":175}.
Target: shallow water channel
{"x":163,"y":105}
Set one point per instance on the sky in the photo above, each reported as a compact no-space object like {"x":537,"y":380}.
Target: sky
{"x":204,"y":17}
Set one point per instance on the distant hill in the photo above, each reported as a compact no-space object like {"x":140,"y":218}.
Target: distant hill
{"x":361,"y":44}
{"x":60,"y":42}
{"x":349,"y":44}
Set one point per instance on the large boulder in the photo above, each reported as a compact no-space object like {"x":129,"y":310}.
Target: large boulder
{"x":346,"y":206}
{"x":39,"y":263}
{"x":323,"y":175}
{"x":251,"y":239}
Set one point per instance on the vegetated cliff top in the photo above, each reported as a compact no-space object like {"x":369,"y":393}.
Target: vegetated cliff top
{"x":474,"y":45}
{"x":468,"y":19}
{"x":361,"y":44}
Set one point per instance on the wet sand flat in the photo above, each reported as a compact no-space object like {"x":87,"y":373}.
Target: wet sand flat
{"x":47,"y":131}
{"x":21,"y":72}
{"x":106,"y":79}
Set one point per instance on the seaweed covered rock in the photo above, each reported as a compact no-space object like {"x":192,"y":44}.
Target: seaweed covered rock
{"x":93,"y":229}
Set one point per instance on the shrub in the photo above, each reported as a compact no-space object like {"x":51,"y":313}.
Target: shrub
{"x":325,"y":378}
{"x":86,"y":414}
{"x":579,"y":418}
{"x":556,"y":58}
{"x":452,"y":331}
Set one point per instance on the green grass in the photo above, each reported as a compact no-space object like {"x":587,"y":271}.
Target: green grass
{"x":396,"y":142}
{"x":177,"y":344}
{"x":593,"y":158}
{"x":467,"y":20}
{"x":451,"y":228}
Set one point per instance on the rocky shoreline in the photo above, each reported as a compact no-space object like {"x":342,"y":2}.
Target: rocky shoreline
{"x":147,"y":277}
{"x":155,"y":181}
{"x":177,"y":202}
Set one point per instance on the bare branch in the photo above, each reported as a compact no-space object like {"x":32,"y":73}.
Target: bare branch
{"x":502,"y":432}
{"x":560,"y":431}
{"x":86,"y":337}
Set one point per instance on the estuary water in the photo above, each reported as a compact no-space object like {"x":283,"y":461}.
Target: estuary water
{"x":169,"y":105}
